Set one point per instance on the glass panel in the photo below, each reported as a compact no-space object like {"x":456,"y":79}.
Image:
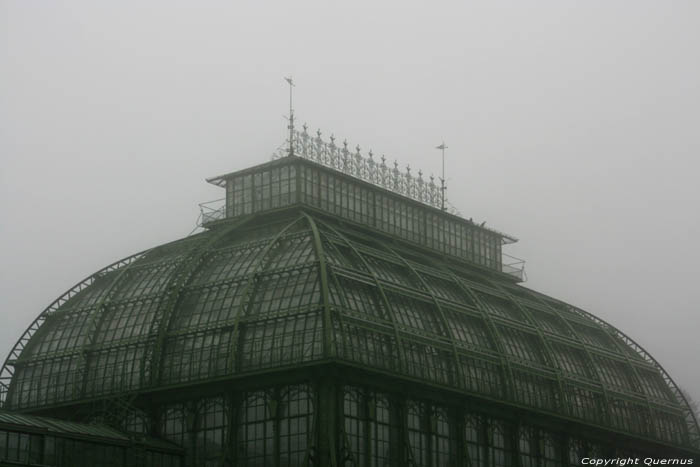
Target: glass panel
{"x":280,"y":292}
{"x":358,"y":299}
{"x":654,"y":385}
{"x":550,"y":322}
{"x":629,"y":416}
{"x":427,"y":362}
{"x":256,"y":432}
{"x":468,"y":331}
{"x":550,"y":450}
{"x":210,"y":432}
{"x":535,"y":390}
{"x":354,"y":427}
{"x":593,"y":336}
{"x":367,"y":346}
{"x":615,"y":373}
{"x":196,"y":356}
{"x":380,"y":429}
{"x":500,"y":306}
{"x":417,"y":448}
{"x":521,"y":345}
{"x":296,"y":420}
{"x":392,"y":272}
{"x":481,"y":376}
{"x":279,"y":341}
{"x":527,"y":447}
{"x":441,"y":445}
{"x":499,"y":453}
{"x":447,"y":290}
{"x":571,"y":360}
{"x":415,"y":314}
{"x":474,"y":440}
{"x":173,"y":425}
{"x":583,"y":403}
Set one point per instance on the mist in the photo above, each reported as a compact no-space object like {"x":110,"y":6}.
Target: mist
{"x":574,"y":126}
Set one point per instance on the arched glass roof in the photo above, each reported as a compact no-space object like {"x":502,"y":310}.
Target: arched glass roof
{"x":298,"y":288}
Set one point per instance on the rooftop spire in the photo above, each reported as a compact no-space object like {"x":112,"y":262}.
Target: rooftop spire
{"x":291,"y":117}
{"x":443,"y":187}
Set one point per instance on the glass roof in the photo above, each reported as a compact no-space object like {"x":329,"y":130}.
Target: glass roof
{"x":261,"y":293}
{"x":23,"y":423}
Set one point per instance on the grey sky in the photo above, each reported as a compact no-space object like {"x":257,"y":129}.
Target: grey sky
{"x":574,"y":126}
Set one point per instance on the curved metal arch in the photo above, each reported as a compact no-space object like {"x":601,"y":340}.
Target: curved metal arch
{"x":95,"y":323}
{"x":441,"y":313}
{"x":328,"y":349}
{"x":638,"y":380}
{"x":380,"y":289}
{"x":249,"y":292}
{"x":343,"y":299}
{"x":603,"y":386}
{"x":591,"y":363}
{"x":545,"y":343}
{"x":690,"y":418}
{"x":507,"y":369}
{"x":7,"y":371}
{"x":180,"y":278}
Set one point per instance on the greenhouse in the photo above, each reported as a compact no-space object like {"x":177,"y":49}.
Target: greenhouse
{"x":330,"y":313}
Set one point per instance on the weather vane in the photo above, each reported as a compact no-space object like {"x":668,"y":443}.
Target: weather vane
{"x":291,"y":117}
{"x":442,"y":147}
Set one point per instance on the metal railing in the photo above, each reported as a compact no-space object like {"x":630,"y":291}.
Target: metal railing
{"x":377,"y":172}
{"x":513,"y":266}
{"x":211,"y":211}
{"x":355,"y":164}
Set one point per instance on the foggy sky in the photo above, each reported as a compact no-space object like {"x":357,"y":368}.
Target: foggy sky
{"x":573,"y":126}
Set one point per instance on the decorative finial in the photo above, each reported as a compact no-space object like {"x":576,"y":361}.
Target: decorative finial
{"x":371,"y":172}
{"x":346,"y":154}
{"x":365,"y":167}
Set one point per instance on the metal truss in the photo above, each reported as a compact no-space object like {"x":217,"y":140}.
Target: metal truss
{"x":8,"y":367}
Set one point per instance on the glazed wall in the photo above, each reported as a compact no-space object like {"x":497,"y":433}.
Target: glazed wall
{"x":274,"y":187}
{"x":284,"y":426}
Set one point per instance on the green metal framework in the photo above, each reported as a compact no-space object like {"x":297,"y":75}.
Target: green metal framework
{"x":32,"y":440}
{"x":294,"y":180}
{"x":293,"y":287}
